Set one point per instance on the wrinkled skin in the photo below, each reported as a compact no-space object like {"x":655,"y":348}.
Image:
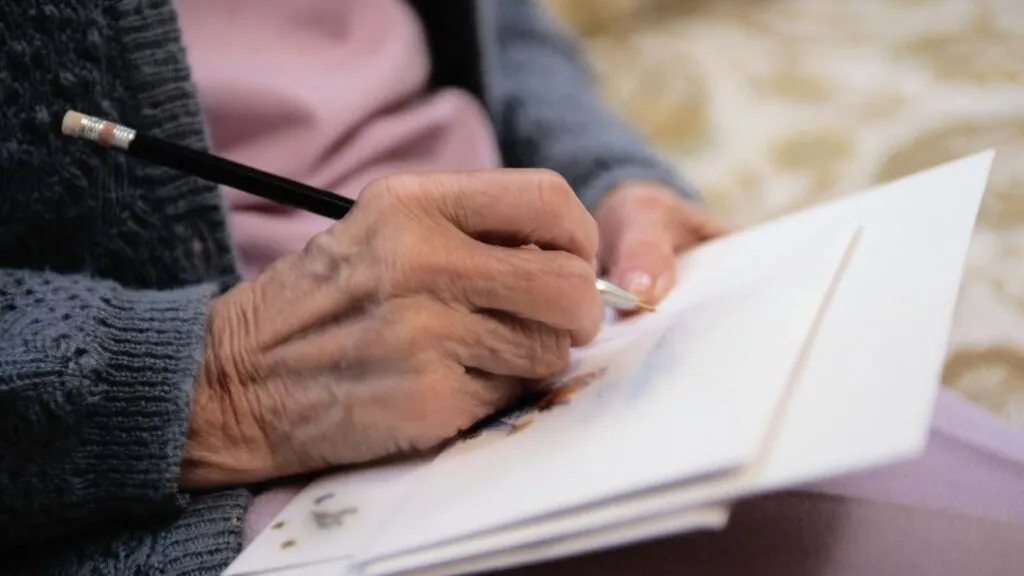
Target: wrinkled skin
{"x":399,"y":326}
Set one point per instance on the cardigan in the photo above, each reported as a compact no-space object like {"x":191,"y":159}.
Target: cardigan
{"x":108,"y":265}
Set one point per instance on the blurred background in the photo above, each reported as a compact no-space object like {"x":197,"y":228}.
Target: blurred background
{"x":772,"y":105}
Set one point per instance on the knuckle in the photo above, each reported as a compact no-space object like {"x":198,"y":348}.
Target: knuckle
{"x":553,"y":191}
{"x":323,"y":250}
{"x":379,"y":189}
{"x":558,"y":200}
{"x":404,"y":194}
{"x":547,"y":178}
{"x":376,"y":196}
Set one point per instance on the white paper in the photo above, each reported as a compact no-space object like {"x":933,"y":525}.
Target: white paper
{"x":713,"y":281}
{"x":709,"y":518}
{"x":869,"y":388}
{"x":865,"y":393}
{"x":690,"y":411}
{"x":722,"y":380}
{"x":295,"y":537}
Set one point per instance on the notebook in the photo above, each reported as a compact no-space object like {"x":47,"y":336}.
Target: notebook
{"x":800,"y":349}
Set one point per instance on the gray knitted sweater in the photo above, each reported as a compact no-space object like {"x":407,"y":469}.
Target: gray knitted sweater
{"x":107,"y":267}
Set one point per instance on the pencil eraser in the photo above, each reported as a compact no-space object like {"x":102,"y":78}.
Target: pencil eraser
{"x":72,"y":123}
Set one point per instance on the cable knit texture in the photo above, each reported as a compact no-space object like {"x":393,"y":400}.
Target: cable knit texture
{"x":108,"y":265}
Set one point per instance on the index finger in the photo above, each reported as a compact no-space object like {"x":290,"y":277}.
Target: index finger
{"x":514,"y":207}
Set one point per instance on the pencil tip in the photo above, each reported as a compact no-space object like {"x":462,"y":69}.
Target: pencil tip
{"x":645,"y":307}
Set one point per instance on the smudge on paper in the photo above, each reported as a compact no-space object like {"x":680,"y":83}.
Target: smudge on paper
{"x":520,"y":417}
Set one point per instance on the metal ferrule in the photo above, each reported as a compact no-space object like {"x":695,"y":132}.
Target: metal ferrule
{"x":123,"y":136}
{"x":106,"y":133}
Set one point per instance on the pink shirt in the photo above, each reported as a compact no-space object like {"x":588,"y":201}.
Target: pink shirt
{"x":327,"y":92}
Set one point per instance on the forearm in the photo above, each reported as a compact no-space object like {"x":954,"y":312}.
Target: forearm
{"x":551,"y":117}
{"x":95,"y":392}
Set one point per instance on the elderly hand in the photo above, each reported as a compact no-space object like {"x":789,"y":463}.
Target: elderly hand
{"x":396,"y":328}
{"x":643,"y":227}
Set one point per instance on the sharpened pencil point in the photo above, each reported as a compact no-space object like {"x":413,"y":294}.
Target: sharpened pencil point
{"x":645,"y":307}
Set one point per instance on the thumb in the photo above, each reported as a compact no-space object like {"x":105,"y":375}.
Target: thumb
{"x":644,"y":264}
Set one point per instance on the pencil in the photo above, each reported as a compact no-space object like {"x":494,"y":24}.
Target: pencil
{"x":206,"y":166}
{"x":222,"y":171}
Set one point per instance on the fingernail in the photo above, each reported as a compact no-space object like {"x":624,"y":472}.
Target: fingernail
{"x":639,"y":283}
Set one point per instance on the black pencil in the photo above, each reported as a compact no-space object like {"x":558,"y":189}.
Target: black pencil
{"x":248,"y":179}
{"x":206,"y":166}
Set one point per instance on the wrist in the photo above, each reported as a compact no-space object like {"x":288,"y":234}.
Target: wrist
{"x":224,"y":445}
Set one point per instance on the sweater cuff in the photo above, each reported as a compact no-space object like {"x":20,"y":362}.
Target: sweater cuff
{"x":207,"y":537}
{"x":148,"y":348}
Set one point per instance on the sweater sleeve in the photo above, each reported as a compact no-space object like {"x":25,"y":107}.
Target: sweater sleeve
{"x":95,"y":393}
{"x":550,"y":116}
{"x":200,"y":541}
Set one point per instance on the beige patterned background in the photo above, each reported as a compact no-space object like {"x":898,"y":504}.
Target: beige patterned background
{"x":769,"y":105}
